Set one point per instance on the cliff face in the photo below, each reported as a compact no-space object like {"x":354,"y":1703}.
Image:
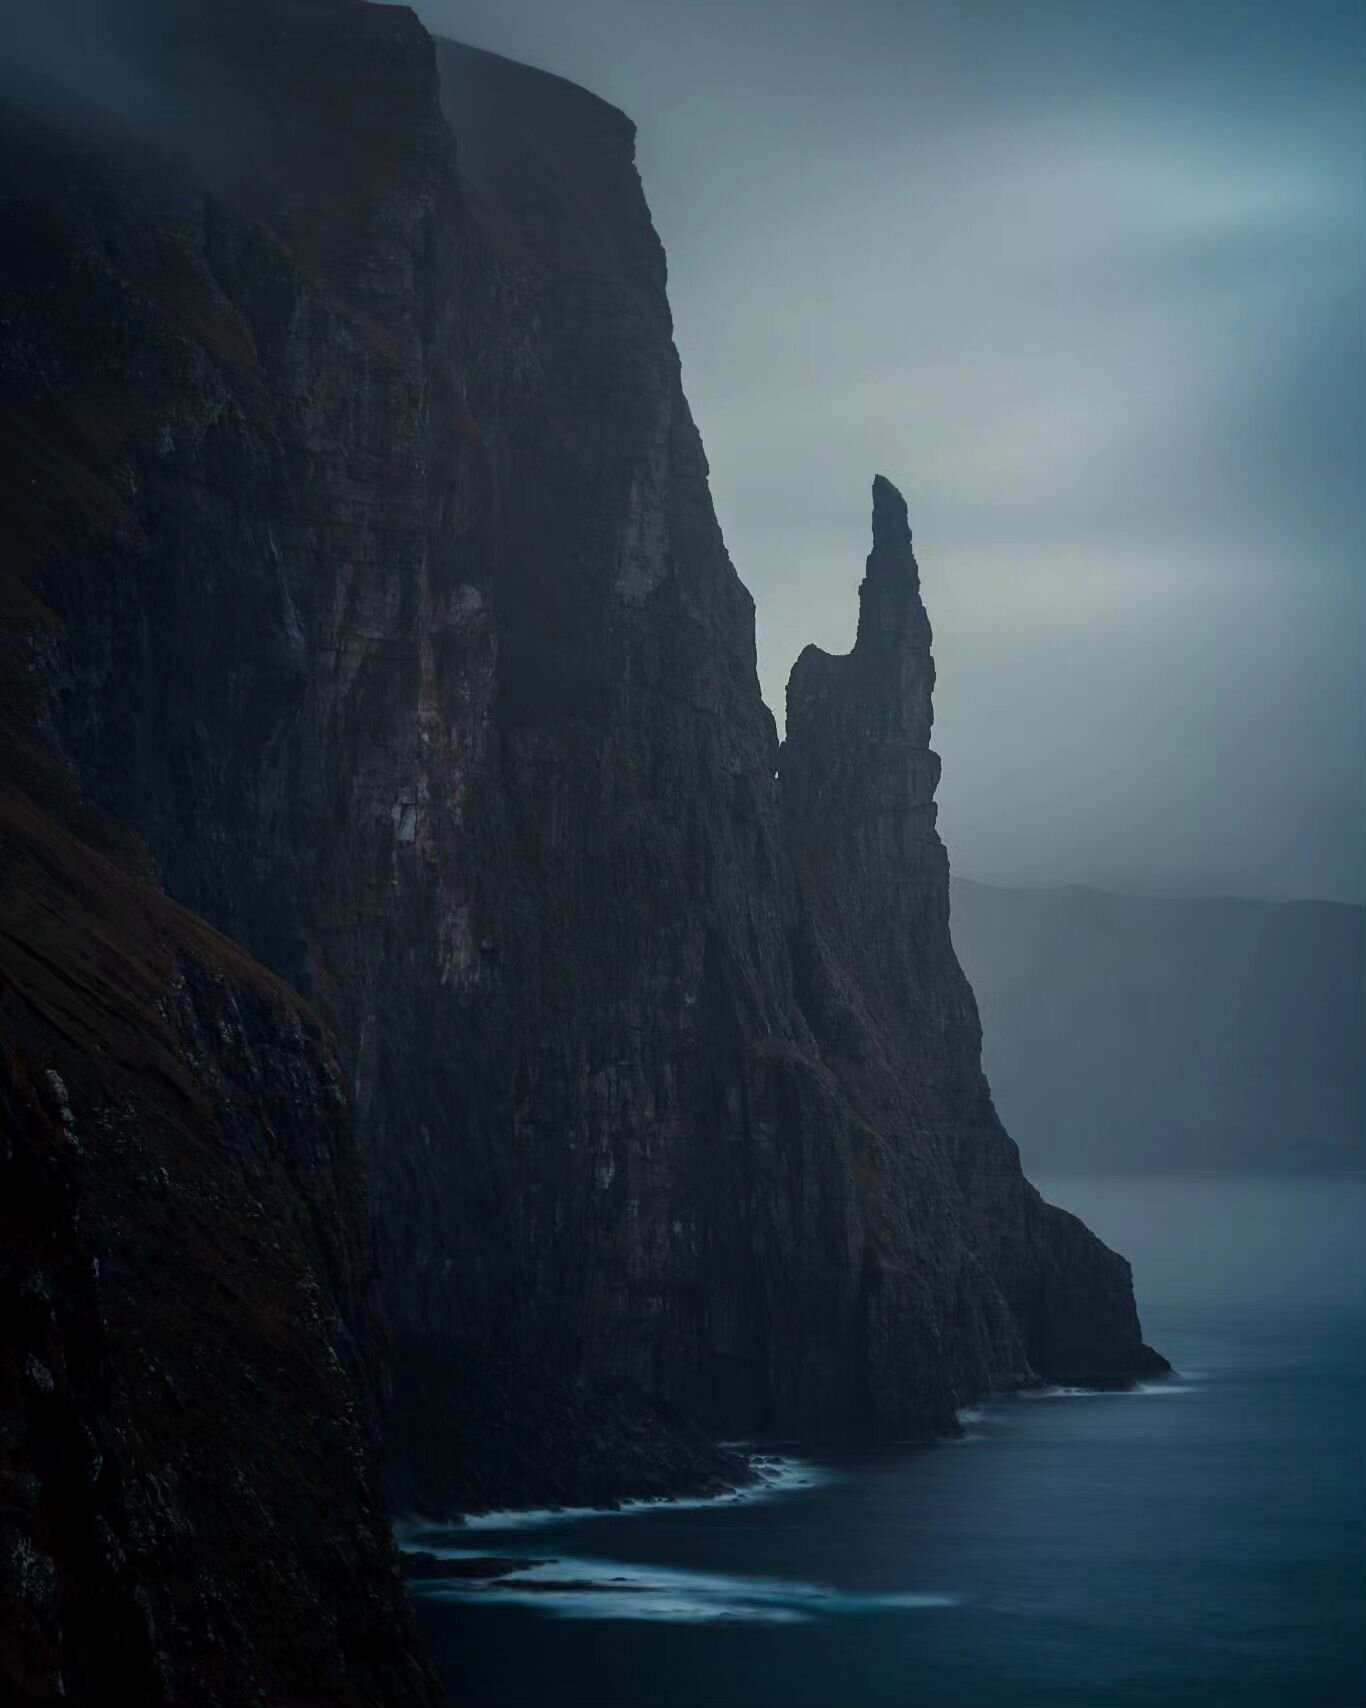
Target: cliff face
{"x":191,"y":1506}
{"x":188,"y":1497}
{"x":404,"y":632}
{"x":189,"y":1334}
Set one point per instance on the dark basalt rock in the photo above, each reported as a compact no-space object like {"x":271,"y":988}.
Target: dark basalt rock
{"x":189,"y":1345}
{"x":363,"y":565}
{"x":473,"y":1429}
{"x":887,"y":996}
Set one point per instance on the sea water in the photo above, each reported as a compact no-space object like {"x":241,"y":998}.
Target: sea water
{"x":1199,"y":1543}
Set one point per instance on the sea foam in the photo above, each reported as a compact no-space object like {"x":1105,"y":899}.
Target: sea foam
{"x":775,"y":1477}
{"x":585,"y":1588}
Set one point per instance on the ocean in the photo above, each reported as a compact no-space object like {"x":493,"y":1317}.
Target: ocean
{"x":1199,"y":1543}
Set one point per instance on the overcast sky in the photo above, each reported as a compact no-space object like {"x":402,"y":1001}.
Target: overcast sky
{"x":1085,"y":280}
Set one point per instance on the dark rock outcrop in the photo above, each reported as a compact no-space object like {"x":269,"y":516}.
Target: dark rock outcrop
{"x":474,"y":1428}
{"x":191,"y":1357}
{"x":348,"y":453}
{"x":896,"y":1017}
{"x":189,"y":1500}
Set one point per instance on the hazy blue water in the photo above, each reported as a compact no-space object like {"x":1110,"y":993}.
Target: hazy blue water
{"x":1202,"y":1547}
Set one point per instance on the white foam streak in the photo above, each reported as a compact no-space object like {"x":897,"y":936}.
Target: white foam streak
{"x":1165,"y":1387}
{"x":775,"y":1477}
{"x":610,"y":1589}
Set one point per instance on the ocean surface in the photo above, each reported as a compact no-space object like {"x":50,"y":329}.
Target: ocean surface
{"x":1197,"y":1544}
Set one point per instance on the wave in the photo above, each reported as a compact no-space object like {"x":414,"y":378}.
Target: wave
{"x":775,"y":1476}
{"x":1169,"y":1385}
{"x":583,"y":1588}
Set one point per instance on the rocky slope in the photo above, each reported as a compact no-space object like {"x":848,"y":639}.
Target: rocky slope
{"x":347,"y":434}
{"x":189,"y":1507}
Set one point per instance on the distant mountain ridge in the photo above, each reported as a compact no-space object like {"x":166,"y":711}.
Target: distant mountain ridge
{"x":1142,"y":1033}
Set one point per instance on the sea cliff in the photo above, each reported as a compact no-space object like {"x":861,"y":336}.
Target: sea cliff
{"x":364,"y":603}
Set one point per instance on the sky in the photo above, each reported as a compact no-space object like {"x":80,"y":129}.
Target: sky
{"x":1085,"y":281}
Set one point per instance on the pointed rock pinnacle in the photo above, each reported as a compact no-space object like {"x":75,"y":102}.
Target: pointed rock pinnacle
{"x":891,"y":523}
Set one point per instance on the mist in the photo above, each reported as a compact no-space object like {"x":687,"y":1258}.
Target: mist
{"x":72,"y":58}
{"x":1091,"y":294}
